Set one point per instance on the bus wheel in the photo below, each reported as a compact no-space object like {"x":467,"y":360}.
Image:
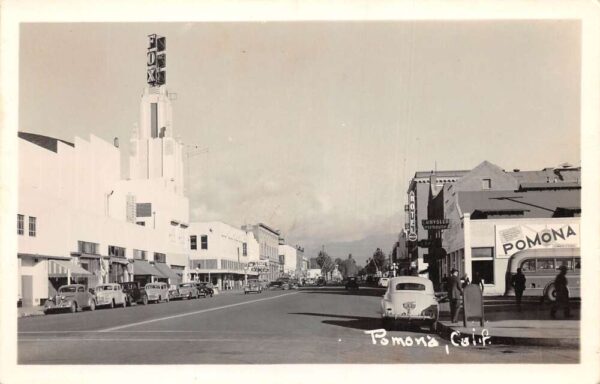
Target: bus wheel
{"x":550,"y":293}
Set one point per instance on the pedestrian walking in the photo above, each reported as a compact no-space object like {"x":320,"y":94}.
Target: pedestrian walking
{"x":518,"y":283}
{"x":477,"y":280}
{"x":454,"y":294}
{"x":562,"y":293}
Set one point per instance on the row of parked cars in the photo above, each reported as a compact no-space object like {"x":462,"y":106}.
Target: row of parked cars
{"x":75,"y":297}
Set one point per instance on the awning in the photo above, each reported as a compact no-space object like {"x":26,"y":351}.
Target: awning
{"x":60,"y":268}
{"x":119,"y":260}
{"x":168,"y":272}
{"x":142,"y":267}
{"x":49,"y":257}
{"x":87,"y":255}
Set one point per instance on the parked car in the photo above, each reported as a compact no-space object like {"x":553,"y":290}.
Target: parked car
{"x":110,"y":295}
{"x":73,"y":297}
{"x":410,"y":299}
{"x":206,"y":288}
{"x":383,"y":282}
{"x":157,"y":292}
{"x":252,"y":287}
{"x":189,"y":291}
{"x":134,"y":293}
{"x":351,"y":283}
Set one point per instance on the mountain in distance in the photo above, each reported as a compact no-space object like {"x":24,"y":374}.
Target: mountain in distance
{"x":361,"y":249}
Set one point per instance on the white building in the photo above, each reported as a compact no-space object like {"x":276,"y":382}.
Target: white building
{"x":222,"y":254}
{"x":287,"y":260}
{"x":79,"y":221}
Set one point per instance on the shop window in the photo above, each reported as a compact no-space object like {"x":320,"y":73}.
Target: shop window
{"x":193,"y":242}
{"x":87,"y":247}
{"x":32,"y":226}
{"x":20,"y":224}
{"x":482,"y":252}
{"x":486,"y":183}
{"x":204,"y":242}
{"x":116,"y":251}
{"x":485,"y":268}
{"x":160,"y":257}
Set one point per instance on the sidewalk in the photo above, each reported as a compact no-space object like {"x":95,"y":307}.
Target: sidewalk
{"x":533,"y":326}
{"x":30,"y":311}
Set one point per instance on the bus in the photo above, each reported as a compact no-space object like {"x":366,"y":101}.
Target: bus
{"x":540,"y":267}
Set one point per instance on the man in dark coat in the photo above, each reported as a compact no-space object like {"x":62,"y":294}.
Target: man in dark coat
{"x":518,"y":283}
{"x":454,"y":294}
{"x":562,"y":293}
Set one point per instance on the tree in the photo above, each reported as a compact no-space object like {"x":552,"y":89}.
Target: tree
{"x":378,"y":262}
{"x":325,"y":263}
{"x":341,"y":266}
{"x":350,"y":268}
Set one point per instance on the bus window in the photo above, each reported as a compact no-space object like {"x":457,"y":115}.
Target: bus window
{"x":545,"y":264}
{"x":577,"y":264}
{"x":528,"y":265}
{"x":567,"y":263}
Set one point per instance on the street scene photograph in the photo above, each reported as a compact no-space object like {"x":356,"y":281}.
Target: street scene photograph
{"x":299,"y":192}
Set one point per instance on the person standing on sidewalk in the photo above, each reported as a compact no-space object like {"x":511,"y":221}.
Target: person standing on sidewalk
{"x":454,"y":294}
{"x":518,"y":283}
{"x":562,"y":293}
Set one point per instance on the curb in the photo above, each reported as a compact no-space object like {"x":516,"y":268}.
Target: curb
{"x":445,"y":331}
{"x":30,"y":314}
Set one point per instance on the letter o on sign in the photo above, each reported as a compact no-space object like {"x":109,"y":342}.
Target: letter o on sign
{"x":151,"y":58}
{"x":412,"y":237}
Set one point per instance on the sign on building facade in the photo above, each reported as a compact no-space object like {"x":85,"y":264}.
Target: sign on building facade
{"x":156,"y":74}
{"x":511,"y":239}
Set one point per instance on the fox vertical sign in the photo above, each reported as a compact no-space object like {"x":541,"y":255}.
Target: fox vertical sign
{"x":156,"y":74}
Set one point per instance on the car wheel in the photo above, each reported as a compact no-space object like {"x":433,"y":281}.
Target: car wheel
{"x":550,"y":294}
{"x":433,"y":326}
{"x":73,"y":308}
{"x":145,"y":300}
{"x":92,"y":305}
{"x":46,"y":311}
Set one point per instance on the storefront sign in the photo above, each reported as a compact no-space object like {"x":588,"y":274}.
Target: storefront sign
{"x":514,"y":238}
{"x":435,"y":224}
{"x":412,"y":220}
{"x":156,"y":74}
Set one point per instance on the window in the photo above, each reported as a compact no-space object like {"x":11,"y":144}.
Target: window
{"x":577,"y":263}
{"x":154,"y":120}
{"x":545,"y":264}
{"x":20,"y":224}
{"x":160,"y":257}
{"x":32,"y":226}
{"x":204,"y":242}
{"x":483,"y":252}
{"x":528,"y":265}
{"x":87,"y":247}
{"x":142,"y":223}
{"x":486,"y":183}
{"x":567,"y":263}
{"x":193,"y":242}
{"x":116,"y":251}
{"x":139,"y":254}
{"x":244,"y":249}
{"x":410,"y":287}
{"x":485,"y":268}
{"x":81,"y":289}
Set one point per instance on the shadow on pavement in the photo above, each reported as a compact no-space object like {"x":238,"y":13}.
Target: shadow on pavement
{"x":378,"y":292}
{"x":358,"y":322}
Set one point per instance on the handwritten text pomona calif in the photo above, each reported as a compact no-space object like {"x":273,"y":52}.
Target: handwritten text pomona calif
{"x":379,"y":337}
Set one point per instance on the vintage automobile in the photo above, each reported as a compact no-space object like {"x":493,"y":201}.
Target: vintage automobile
{"x":383,"y":282}
{"x":187,"y":291}
{"x":279,"y":285}
{"x":110,"y":295}
{"x":410,"y":300}
{"x":351,"y":283}
{"x":206,"y":288}
{"x":134,"y":293}
{"x":253,"y":286}
{"x":73,"y":297}
{"x":157,"y":292}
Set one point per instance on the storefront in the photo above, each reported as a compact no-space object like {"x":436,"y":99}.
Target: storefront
{"x":171,"y":277}
{"x":63,"y":272}
{"x":144,"y":273}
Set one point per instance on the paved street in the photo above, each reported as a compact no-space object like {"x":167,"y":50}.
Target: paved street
{"x":313,"y":325}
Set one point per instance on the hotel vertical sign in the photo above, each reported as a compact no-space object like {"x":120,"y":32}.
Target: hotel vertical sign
{"x":156,"y":56}
{"x":412,"y":220}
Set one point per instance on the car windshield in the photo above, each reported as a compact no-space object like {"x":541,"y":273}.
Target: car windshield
{"x":152,"y":286}
{"x":69,"y":289}
{"x":104,"y":288}
{"x":410,"y":287}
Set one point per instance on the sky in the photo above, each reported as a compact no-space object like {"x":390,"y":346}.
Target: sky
{"x":315,"y":128}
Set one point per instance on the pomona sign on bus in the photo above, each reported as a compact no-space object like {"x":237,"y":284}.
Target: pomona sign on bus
{"x":514,"y":238}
